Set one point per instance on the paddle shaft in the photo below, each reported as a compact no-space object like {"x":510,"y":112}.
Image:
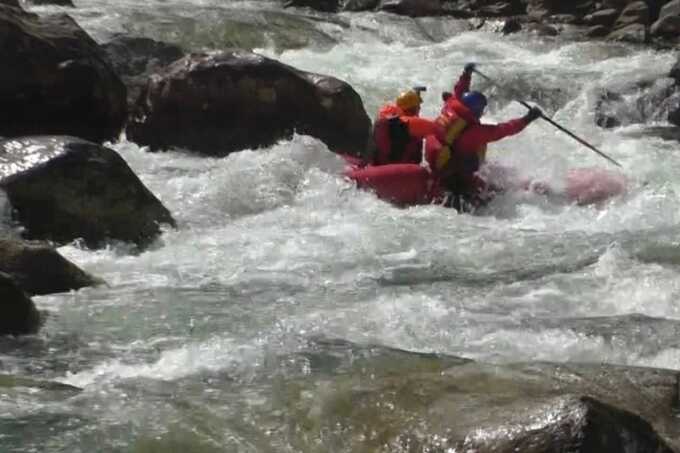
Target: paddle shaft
{"x":558,"y":126}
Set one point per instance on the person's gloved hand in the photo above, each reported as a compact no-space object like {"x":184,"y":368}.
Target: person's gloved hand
{"x":469,"y":68}
{"x":532,"y":114}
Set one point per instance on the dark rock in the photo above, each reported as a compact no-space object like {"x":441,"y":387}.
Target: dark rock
{"x":135,"y":58}
{"x":360,"y":5}
{"x":598,"y":31}
{"x":668,"y":23}
{"x":502,"y":9}
{"x":236,"y":100}
{"x":412,"y":8}
{"x":540,"y":9}
{"x":12,"y":3}
{"x":65,"y":188}
{"x":574,"y":424}
{"x":511,"y":26}
{"x":542,"y":29}
{"x":68,"y":3}
{"x":605,"y":17}
{"x":40,"y":269}
{"x":59,"y":82}
{"x":632,"y":23}
{"x":564,"y":19}
{"x":328,"y":6}
{"x":18,"y":315}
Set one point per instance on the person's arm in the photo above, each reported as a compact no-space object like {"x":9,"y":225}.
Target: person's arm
{"x":463,"y":85}
{"x":479,"y":135}
{"x":422,"y":127}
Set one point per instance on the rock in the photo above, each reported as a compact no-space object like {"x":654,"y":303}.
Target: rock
{"x":511,"y":26}
{"x":234,"y":100}
{"x":598,"y":31}
{"x":360,"y":5}
{"x":40,"y":269}
{"x":135,"y":58}
{"x":668,"y":23}
{"x":329,"y":6}
{"x":631,"y":25}
{"x":412,"y":8}
{"x":502,"y":9}
{"x":605,"y":17}
{"x":12,"y":3}
{"x":68,"y":3}
{"x":59,"y":82}
{"x":575,"y":424}
{"x":64,"y":188}
{"x":389,"y":400}
{"x":18,"y":315}
{"x":540,"y":9}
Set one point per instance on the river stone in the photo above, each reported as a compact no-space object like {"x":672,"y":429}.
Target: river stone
{"x":40,"y":269}
{"x":58,"y":81}
{"x":63,"y":188}
{"x":68,"y":3}
{"x":604,"y":17}
{"x":668,"y":23}
{"x":360,"y":5}
{"x":18,"y":315}
{"x":631,"y":25}
{"x":13,"y":3}
{"x":540,"y":9}
{"x":234,"y":100}
{"x":328,"y":6}
{"x":376,"y":399}
{"x":412,"y":8}
{"x":135,"y":58}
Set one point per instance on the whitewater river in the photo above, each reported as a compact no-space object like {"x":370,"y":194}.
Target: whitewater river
{"x":197,"y":344}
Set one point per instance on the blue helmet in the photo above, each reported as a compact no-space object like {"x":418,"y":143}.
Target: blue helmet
{"x":475,"y":101}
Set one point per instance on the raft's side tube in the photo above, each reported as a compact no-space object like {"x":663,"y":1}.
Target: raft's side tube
{"x":401,"y":184}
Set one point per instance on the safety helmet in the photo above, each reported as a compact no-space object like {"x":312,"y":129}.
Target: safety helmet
{"x":475,"y":101}
{"x":409,"y":100}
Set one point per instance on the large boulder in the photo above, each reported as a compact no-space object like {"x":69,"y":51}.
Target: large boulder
{"x":18,"y":315}
{"x":632,"y":24}
{"x":64,"y":188}
{"x":135,"y":58}
{"x":230,"y":101}
{"x":56,"y":80}
{"x":668,"y":24}
{"x":413,"y":8}
{"x":40,"y":269}
{"x":540,"y":9}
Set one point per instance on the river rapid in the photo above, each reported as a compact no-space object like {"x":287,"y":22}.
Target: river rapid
{"x":197,"y":344}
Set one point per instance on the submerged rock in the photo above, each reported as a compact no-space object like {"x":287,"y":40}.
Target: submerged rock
{"x":56,"y":80}
{"x":18,"y":315}
{"x":135,"y":58}
{"x":219,"y":103}
{"x":379,"y":399}
{"x":68,"y":3}
{"x":40,"y":269}
{"x":64,"y":188}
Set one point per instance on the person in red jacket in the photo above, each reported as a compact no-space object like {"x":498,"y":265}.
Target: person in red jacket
{"x":399,"y":131}
{"x":456,"y":153}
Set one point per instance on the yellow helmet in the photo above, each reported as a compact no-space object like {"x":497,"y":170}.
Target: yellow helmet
{"x":409,"y":100}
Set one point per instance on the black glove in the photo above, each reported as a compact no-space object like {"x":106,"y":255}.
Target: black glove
{"x":532,"y":114}
{"x":469,"y":68}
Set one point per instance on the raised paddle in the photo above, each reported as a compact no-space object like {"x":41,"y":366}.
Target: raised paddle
{"x":566,"y":131}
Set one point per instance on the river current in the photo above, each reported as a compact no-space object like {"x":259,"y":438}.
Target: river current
{"x":277,"y":258}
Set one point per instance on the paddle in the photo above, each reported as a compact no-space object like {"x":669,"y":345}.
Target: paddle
{"x":563,"y":129}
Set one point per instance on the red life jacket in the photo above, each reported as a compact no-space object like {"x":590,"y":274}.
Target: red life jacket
{"x":393,"y":142}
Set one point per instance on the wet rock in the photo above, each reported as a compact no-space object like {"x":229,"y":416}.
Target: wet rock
{"x":542,"y":29}
{"x":540,"y":9}
{"x":18,"y":315}
{"x":12,"y":3}
{"x":360,"y":5}
{"x":59,"y":82}
{"x":604,"y":17}
{"x":135,"y":58}
{"x":635,"y":103}
{"x":511,"y":26}
{"x":377,"y":399}
{"x":575,"y":424}
{"x":68,"y":3}
{"x":598,"y":31}
{"x":412,"y":8}
{"x":40,"y":269}
{"x":631,"y":25}
{"x":668,"y":24}
{"x":64,"y":188}
{"x":319,"y":5}
{"x":225,"y":102}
